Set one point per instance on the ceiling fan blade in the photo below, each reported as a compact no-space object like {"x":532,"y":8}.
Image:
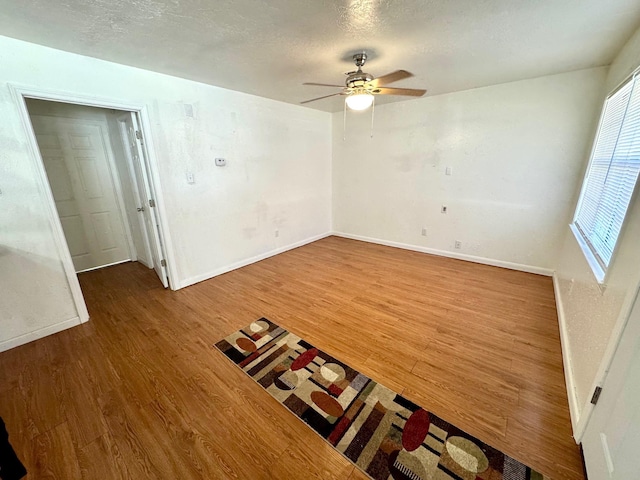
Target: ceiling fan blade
{"x":414,"y":92}
{"x":390,"y":78}
{"x":320,"y":98}
{"x":324,"y":85}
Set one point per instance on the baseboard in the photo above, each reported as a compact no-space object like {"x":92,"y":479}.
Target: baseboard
{"x":40,"y":333}
{"x":108,"y":265}
{"x":444,"y":253}
{"x":243,"y":263}
{"x":574,"y":410}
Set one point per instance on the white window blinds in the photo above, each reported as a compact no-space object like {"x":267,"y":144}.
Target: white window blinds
{"x":612,"y":174}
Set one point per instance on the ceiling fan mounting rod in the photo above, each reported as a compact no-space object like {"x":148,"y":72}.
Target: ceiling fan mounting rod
{"x":358,"y":79}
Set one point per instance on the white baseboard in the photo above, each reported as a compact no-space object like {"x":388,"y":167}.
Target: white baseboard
{"x":444,"y":253}
{"x":243,"y":263}
{"x":37,"y":334}
{"x":107,"y":265}
{"x":572,"y":396}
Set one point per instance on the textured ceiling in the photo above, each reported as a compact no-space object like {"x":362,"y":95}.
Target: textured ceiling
{"x":269,"y":48}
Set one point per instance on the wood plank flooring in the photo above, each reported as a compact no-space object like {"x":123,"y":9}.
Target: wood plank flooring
{"x":140,"y":393}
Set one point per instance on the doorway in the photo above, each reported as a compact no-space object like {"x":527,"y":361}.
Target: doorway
{"x":79,"y":155}
{"x":97,"y":169}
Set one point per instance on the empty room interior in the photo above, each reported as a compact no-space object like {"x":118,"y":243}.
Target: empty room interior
{"x":353,"y":239}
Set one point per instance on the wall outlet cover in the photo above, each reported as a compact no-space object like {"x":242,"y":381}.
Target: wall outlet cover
{"x":221,"y":162}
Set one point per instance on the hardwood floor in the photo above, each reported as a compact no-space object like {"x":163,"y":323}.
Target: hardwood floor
{"x":139,"y":391}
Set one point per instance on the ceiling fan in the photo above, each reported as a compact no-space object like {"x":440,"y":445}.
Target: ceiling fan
{"x":360,"y":87}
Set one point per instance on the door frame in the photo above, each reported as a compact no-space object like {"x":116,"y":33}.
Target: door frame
{"x":20,"y":93}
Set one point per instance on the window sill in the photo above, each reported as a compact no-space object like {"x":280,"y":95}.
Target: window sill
{"x":598,"y":272}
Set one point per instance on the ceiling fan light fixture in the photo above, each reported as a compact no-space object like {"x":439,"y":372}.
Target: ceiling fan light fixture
{"x":359,"y":100}
{"x":360,"y":87}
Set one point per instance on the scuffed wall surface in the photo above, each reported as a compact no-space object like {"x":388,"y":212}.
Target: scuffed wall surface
{"x":277,"y":176}
{"x":516,"y":153}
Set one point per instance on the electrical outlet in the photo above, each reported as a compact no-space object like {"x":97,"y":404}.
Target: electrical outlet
{"x":448,"y":171}
{"x":220,"y":162}
{"x":277,"y":233}
{"x":443,"y":209}
{"x":458,"y":244}
{"x":424,"y":231}
{"x":190,"y":178}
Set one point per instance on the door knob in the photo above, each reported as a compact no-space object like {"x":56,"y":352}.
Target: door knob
{"x":140,"y":209}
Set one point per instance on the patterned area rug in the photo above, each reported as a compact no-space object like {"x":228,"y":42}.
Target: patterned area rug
{"x":384,"y":434}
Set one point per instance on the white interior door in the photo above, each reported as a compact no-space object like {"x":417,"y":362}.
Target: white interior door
{"x":81,"y":178}
{"x":147,"y":211}
{"x":139,"y":231}
{"x":611,"y":441}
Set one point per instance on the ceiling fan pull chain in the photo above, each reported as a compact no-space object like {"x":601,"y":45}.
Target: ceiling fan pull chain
{"x":373,"y":111}
{"x":344,"y":123}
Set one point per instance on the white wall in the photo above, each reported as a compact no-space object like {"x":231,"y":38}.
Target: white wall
{"x":516,"y":151}
{"x":589,"y":315}
{"x":278,"y":176}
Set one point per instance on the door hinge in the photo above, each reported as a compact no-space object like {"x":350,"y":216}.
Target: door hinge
{"x":163,"y":262}
{"x":138,"y":134}
{"x":596,"y":395}
{"x":152,"y":203}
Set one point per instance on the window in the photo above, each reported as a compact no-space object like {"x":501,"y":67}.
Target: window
{"x":611,"y":177}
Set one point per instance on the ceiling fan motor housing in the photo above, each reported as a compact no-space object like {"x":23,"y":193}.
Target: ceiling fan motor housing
{"x":358,"y":79}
